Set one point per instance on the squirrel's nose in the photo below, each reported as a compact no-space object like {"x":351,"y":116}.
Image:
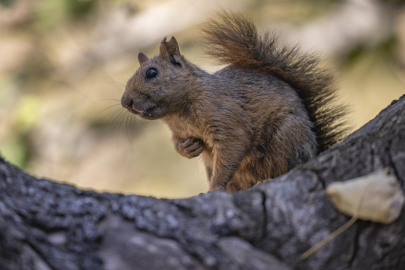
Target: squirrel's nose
{"x":126,"y":101}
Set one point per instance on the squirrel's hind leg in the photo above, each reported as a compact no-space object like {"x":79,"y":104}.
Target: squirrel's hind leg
{"x":241,"y":180}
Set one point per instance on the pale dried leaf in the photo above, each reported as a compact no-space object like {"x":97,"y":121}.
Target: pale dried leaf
{"x":377,"y":197}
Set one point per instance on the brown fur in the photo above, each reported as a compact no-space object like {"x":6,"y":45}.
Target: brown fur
{"x":265,"y":113}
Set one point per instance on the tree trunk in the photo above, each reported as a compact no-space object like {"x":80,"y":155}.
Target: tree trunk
{"x":48,"y":225}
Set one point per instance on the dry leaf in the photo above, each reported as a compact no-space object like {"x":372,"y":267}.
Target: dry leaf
{"x":377,"y":197}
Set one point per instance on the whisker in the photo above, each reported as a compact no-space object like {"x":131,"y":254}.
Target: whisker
{"x":113,"y":114}
{"x":116,"y":117}
{"x":108,"y":99}
{"x":109,"y":117}
{"x":132,"y":125}
{"x":120,"y":120}
{"x":126,"y":128}
{"x":128,"y":117}
{"x":107,"y":109}
{"x":115,"y":82}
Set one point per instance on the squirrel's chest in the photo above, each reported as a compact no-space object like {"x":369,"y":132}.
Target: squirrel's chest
{"x":186,"y":128}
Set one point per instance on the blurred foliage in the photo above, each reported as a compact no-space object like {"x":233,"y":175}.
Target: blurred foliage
{"x":50,"y":13}
{"x":16,"y":150}
{"x":26,"y":113}
{"x":6,"y":3}
{"x":385,"y":51}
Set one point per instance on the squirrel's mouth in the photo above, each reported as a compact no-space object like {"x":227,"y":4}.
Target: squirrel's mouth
{"x":147,"y":114}
{"x":134,"y":111}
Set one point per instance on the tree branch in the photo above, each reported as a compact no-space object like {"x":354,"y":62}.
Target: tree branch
{"x":47,"y":225}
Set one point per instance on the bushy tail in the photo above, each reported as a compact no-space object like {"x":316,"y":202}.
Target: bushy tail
{"x":233,"y":40}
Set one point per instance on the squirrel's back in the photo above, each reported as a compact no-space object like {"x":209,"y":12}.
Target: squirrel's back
{"x":233,"y":40}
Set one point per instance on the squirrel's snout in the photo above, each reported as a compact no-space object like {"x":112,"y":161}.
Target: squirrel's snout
{"x":126,"y":101}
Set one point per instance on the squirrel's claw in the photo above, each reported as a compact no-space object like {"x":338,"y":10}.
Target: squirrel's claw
{"x":190,"y":148}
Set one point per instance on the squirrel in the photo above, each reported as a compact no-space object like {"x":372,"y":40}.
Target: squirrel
{"x":270,"y":109}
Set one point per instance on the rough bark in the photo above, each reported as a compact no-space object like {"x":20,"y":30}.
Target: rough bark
{"x":47,"y":225}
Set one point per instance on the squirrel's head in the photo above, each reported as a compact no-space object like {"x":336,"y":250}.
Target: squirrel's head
{"x":160,"y":84}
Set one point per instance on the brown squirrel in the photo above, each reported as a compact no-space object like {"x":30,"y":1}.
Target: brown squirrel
{"x":269,"y":110}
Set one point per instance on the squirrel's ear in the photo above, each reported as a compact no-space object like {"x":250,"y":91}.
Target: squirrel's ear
{"x":142,"y":58}
{"x":169,"y":51}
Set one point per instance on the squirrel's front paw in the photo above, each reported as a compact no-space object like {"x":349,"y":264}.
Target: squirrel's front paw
{"x":190,"y":147}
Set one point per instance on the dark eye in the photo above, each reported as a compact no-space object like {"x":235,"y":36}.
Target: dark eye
{"x":151,"y":73}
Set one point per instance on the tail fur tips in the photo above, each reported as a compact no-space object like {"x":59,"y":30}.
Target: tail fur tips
{"x":233,"y":39}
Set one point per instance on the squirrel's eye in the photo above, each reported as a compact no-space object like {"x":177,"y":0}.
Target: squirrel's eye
{"x":151,"y":73}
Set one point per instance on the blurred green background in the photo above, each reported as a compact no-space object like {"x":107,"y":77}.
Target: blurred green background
{"x":64,"y":65}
